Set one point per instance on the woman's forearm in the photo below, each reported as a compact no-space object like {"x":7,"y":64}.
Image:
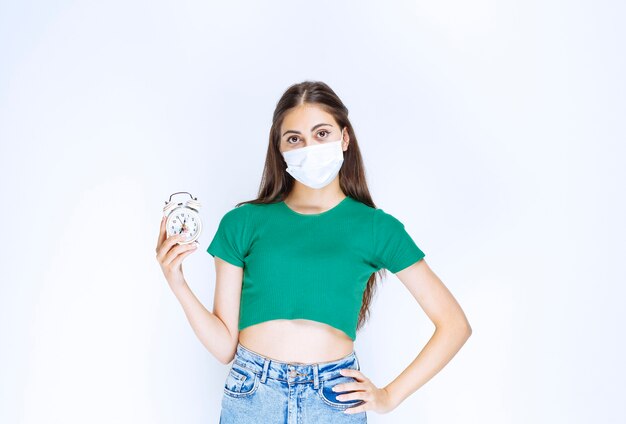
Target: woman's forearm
{"x":440,"y":349}
{"x":211,"y":331}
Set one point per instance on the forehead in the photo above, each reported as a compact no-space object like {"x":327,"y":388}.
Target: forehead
{"x":303,"y":117}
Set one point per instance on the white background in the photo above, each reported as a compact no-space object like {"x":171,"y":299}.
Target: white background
{"x":493,"y":129}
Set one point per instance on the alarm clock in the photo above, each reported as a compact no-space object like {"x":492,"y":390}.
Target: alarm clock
{"x":183,"y":217}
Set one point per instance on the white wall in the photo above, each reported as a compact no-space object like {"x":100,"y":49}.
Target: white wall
{"x":493,"y":129}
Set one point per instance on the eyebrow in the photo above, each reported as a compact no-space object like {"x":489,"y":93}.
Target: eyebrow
{"x":312,"y":129}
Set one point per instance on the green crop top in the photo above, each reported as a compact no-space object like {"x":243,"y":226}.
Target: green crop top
{"x":311,"y":266}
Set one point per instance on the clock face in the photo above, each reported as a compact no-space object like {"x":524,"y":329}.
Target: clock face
{"x":184,"y":220}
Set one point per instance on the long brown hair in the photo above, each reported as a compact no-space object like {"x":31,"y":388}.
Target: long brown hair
{"x":276,"y":183}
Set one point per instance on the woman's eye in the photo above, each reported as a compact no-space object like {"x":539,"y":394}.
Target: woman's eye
{"x":289,"y":140}
{"x":322,"y":131}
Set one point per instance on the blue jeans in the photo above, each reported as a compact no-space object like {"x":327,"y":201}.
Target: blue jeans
{"x":261,"y":390}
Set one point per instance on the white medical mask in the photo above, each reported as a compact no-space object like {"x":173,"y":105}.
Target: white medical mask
{"x":315,"y":166}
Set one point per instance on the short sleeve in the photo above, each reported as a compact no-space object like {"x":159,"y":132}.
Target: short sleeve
{"x":394,"y":249}
{"x":229,"y":242}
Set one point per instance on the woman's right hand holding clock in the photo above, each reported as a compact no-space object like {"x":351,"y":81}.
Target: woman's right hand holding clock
{"x":170,"y":255}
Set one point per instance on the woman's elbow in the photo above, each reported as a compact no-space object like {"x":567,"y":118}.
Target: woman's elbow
{"x":468,"y":330}
{"x":465,"y":328}
{"x":459,"y":326}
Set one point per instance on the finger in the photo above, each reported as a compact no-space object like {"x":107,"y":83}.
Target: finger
{"x":176,"y":251}
{"x":349,"y":372}
{"x":352,"y":396}
{"x":169,"y":242}
{"x":348,"y":387}
{"x":356,"y":409}
{"x":178,"y":259}
{"x":162,"y":234}
{"x":171,"y":254}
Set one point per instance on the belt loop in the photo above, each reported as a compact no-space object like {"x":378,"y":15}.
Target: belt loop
{"x":315,"y":376}
{"x":356,"y":359}
{"x":266,"y":364}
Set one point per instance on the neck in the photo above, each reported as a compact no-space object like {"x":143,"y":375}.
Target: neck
{"x":324,"y":197}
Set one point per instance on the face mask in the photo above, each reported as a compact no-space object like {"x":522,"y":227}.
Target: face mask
{"x":315,"y":166}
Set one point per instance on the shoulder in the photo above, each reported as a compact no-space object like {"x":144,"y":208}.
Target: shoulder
{"x":236,"y":215}
{"x":357,"y":207}
{"x":382,"y":215}
{"x":248,"y":211}
{"x":377,"y":216}
{"x":385,"y":220}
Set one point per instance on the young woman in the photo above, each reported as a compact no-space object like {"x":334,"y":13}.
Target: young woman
{"x":296,"y":269}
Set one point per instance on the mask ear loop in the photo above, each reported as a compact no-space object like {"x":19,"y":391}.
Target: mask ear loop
{"x":343,"y":140}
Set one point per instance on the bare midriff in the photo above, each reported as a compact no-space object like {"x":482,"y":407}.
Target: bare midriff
{"x":296,"y":340}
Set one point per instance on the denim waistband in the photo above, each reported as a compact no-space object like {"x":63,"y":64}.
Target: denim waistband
{"x":293,"y":372}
